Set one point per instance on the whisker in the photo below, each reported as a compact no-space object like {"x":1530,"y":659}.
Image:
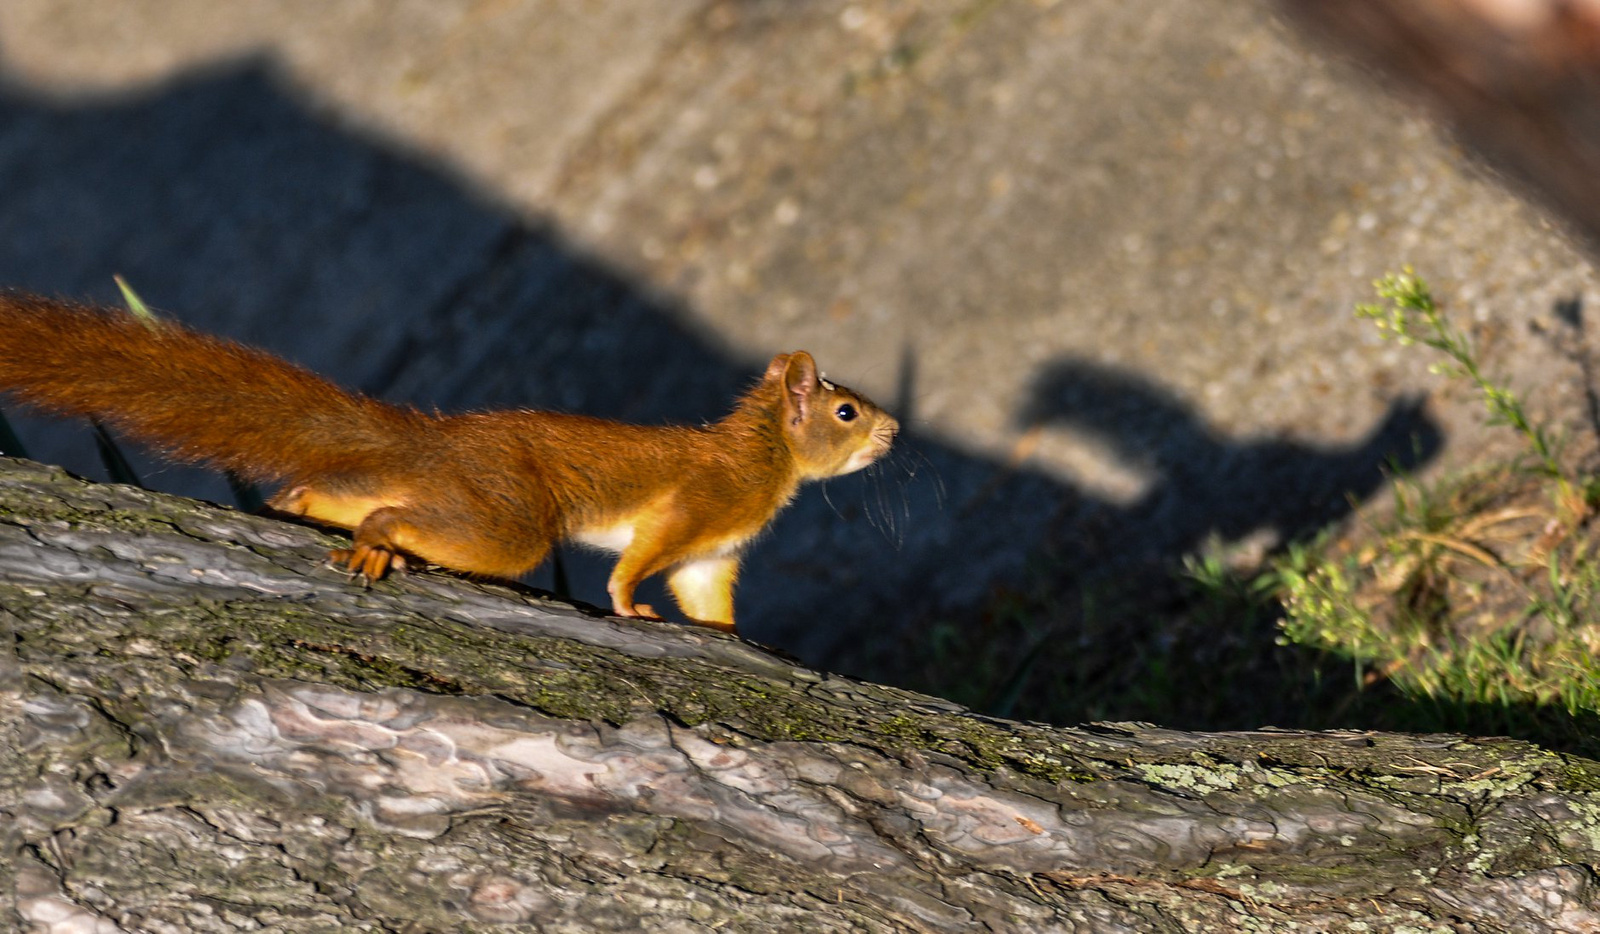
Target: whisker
{"x":911,"y":460}
{"x":889,"y":510}
{"x":873,"y":505}
{"x":827,"y":498}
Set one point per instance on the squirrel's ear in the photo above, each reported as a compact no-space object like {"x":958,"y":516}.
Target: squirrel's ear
{"x":799,"y":384}
{"x":776,"y":367}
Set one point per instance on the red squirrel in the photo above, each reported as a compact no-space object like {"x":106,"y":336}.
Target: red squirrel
{"x":488,"y":493}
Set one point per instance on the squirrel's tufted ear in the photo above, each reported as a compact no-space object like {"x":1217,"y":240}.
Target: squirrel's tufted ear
{"x":776,"y":367}
{"x":799,"y":384}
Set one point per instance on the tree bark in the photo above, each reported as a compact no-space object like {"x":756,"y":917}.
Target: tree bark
{"x":207,"y":729}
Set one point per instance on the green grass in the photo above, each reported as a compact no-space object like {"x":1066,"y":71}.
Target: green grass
{"x":1478,"y":607}
{"x":1474,"y":597}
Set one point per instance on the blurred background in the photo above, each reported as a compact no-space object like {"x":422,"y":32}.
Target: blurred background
{"x":1100,"y":257}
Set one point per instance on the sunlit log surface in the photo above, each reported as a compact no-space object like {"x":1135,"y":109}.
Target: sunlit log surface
{"x":1518,"y":79}
{"x":206,"y":730}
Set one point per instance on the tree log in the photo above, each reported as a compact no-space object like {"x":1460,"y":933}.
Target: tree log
{"x":207,"y":729}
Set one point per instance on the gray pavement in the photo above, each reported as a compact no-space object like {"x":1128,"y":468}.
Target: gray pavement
{"x":1100,"y":256}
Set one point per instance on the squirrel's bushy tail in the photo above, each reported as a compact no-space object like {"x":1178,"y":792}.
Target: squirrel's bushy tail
{"x":197,"y":397}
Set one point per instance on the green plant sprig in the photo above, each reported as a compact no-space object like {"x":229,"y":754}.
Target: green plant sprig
{"x":1410,"y":315}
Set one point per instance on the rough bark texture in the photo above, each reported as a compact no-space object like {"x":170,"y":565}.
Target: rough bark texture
{"x":205,"y":730}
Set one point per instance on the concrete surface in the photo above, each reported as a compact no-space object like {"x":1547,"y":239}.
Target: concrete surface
{"x":1099,"y":256}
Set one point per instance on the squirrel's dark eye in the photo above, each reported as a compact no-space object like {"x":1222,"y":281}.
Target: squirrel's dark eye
{"x":846,"y":412}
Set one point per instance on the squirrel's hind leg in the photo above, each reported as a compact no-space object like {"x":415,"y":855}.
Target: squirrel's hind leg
{"x":385,"y":536}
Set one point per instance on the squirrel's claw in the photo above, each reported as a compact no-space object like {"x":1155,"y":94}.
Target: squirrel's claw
{"x":369,"y":562}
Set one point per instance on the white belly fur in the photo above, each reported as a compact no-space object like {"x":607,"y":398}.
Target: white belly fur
{"x":608,"y":538}
{"x":616,"y":538}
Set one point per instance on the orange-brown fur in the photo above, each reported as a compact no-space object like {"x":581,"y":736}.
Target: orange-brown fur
{"x":488,"y":493}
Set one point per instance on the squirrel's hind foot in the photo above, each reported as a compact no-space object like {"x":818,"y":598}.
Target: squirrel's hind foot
{"x":639,"y":611}
{"x":369,"y":562}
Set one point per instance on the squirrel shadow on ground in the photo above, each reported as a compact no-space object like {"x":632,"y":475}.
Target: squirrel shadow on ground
{"x":1204,"y":486}
{"x":233,"y":203}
